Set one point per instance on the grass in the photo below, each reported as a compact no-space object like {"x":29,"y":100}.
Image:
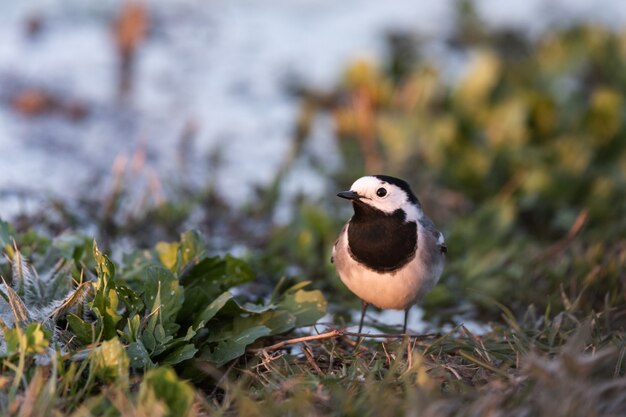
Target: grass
{"x":521,"y":162}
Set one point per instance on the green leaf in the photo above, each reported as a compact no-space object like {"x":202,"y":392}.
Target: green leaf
{"x":307,"y":306}
{"x":34,"y":339}
{"x":134,"y":265}
{"x":38,"y":337}
{"x":211,"y":310}
{"x":162,"y":337}
{"x":149,"y":341}
{"x":279,"y":291}
{"x":110,"y":363}
{"x":237,"y":271}
{"x":139,"y":356}
{"x":178,"y":256}
{"x":191,"y":248}
{"x":191,"y":332}
{"x":165,"y":296}
{"x":132,"y":329}
{"x":104,"y":267}
{"x":209,"y":278}
{"x":230,"y":349}
{"x":132,"y":302}
{"x":237,"y":326}
{"x":105,"y":300}
{"x":6,"y":235}
{"x":162,"y":384}
{"x":14,"y":338}
{"x":168,"y":254}
{"x":180,"y":354}
{"x":85,"y":332}
{"x":279,"y":321}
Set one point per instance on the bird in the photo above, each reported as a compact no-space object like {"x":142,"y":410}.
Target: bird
{"x":389,"y":254}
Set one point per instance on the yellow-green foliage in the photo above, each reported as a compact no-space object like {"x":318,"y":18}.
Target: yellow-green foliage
{"x":518,"y":151}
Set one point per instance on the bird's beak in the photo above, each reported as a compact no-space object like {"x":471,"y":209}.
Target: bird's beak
{"x":349,"y":195}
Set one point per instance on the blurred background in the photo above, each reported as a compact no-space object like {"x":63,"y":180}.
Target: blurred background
{"x":134,"y":121}
{"x":179,"y":82}
{"x":182,"y":82}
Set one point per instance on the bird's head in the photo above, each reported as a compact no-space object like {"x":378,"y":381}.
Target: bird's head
{"x":384,"y":193}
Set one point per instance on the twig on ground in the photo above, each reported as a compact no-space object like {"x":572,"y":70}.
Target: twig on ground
{"x":327,"y":335}
{"x":340,"y":333}
{"x":308,"y":352}
{"x":386,"y":354}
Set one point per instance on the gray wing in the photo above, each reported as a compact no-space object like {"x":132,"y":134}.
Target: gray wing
{"x":332,"y":256}
{"x":430,"y":228}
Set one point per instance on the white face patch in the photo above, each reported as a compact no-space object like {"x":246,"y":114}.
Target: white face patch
{"x":385,"y":197}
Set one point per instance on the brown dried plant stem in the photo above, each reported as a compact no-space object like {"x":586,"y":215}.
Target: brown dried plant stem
{"x":340,"y":333}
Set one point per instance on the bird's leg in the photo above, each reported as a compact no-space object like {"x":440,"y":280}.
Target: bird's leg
{"x":406,"y":319}
{"x":363,"y":310}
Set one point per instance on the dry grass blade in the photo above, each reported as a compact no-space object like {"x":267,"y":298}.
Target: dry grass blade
{"x":39,"y":396}
{"x":74,"y":299}
{"x":340,"y":333}
{"x":308,"y":353}
{"x":482,"y":363}
{"x":328,"y":335}
{"x":19,"y":310}
{"x":24,"y":278}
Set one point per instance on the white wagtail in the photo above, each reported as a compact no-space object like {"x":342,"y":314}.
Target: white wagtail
{"x":389,"y":253}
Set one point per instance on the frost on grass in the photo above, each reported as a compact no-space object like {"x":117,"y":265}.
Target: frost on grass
{"x":31,"y":298}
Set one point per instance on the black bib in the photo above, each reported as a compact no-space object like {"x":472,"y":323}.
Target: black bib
{"x":382,"y":242}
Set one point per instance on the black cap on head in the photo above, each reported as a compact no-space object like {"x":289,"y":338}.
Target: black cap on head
{"x":403,"y":185}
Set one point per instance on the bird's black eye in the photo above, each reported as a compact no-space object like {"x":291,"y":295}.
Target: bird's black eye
{"x":381,"y":192}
